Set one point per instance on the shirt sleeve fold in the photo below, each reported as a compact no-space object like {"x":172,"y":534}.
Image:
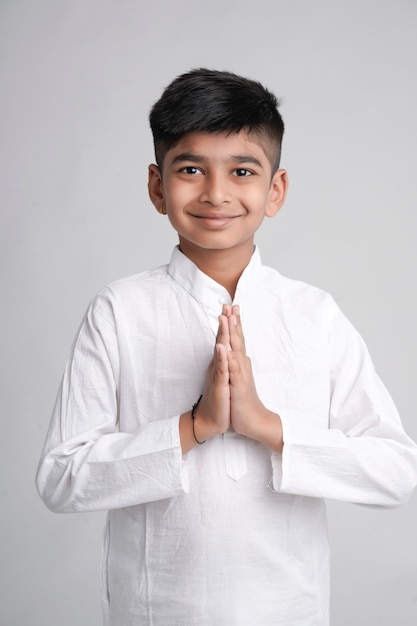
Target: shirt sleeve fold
{"x":87,"y":464}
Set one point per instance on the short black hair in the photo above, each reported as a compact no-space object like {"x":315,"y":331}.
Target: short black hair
{"x":212,"y":101}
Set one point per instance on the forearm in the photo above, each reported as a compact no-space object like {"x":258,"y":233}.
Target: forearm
{"x":326,"y":463}
{"x":99,"y":470}
{"x":265,"y":427}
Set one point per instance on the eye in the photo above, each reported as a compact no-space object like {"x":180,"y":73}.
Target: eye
{"x":191,"y":170}
{"x":242,"y":172}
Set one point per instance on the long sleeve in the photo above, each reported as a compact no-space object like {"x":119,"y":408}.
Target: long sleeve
{"x":364,"y":455}
{"x":87,"y":464}
{"x":139,"y":361}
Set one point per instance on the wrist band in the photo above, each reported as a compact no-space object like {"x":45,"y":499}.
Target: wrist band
{"x":193,"y":418}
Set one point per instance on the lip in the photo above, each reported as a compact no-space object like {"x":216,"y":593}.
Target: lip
{"x":215,"y":221}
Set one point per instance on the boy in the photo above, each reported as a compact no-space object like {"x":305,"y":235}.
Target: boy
{"x":211,"y":404}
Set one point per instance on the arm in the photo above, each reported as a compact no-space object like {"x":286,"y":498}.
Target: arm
{"x":364,"y":456}
{"x":87,"y":464}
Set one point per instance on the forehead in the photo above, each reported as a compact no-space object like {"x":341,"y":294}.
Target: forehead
{"x":220,"y":147}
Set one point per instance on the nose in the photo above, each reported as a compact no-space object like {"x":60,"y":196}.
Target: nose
{"x":215,"y":190}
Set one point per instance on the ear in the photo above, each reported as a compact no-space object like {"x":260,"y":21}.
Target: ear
{"x":155,"y":188}
{"x":277,"y":193}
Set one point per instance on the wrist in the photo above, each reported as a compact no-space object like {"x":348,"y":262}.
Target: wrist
{"x":193,"y":416}
{"x":265,"y":427}
{"x":196,"y":430}
{"x":203,"y":428}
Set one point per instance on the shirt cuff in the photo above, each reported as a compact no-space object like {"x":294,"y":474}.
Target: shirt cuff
{"x":300,"y":451}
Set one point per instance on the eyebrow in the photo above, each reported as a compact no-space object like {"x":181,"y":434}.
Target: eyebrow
{"x":187,"y":156}
{"x":196,"y":158}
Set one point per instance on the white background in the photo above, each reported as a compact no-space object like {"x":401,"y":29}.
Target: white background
{"x":77,"y":81}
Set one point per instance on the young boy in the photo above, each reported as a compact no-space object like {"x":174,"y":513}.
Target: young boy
{"x":212,"y":404}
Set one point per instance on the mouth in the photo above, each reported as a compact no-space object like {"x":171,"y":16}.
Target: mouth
{"x":215,"y":221}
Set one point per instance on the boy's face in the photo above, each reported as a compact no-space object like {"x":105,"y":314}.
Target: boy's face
{"x":216,"y":189}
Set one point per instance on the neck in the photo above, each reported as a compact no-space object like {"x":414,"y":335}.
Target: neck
{"x":223,"y":266}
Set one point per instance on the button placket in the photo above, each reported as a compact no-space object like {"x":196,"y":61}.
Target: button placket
{"x":235,"y":455}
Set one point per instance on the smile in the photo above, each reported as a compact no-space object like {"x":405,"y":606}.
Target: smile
{"x":215,"y":221}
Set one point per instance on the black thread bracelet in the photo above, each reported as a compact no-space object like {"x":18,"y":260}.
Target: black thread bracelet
{"x":193,"y":418}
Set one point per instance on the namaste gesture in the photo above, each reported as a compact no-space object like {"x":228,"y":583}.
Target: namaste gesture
{"x":230,"y":397}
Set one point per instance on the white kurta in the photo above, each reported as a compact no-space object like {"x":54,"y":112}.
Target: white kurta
{"x":231,"y":534}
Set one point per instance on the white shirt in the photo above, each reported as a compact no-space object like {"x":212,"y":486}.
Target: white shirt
{"x":231,"y":534}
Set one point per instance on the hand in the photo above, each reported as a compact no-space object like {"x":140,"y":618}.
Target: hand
{"x":248,"y":415}
{"x":230,"y":396}
{"x":245,"y":404}
{"x":212,"y":415}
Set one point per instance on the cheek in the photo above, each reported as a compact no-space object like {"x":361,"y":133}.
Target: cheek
{"x":255,"y":200}
{"x":178,"y":196}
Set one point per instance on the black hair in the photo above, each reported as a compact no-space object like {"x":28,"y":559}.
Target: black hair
{"x":211,"y":101}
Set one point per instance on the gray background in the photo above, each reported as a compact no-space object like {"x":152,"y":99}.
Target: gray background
{"x":77,"y":81}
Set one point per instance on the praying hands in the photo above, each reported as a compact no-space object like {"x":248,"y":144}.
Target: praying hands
{"x":230,"y":397}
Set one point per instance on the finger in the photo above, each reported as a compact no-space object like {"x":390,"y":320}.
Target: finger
{"x":221,"y":363}
{"x":234,"y":364}
{"x":237,"y":339}
{"x":235,"y":310}
{"x":223,"y":334}
{"x":218,"y":362}
{"x":226,"y":310}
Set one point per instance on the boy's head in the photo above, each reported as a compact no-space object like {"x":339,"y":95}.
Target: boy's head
{"x":210,"y":101}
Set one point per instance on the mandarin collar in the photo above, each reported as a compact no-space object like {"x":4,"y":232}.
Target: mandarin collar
{"x":203,"y":288}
